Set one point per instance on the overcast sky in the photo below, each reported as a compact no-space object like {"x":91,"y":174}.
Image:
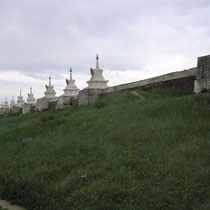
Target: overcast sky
{"x":135,"y":39}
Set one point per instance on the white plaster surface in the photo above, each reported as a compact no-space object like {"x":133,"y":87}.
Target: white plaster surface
{"x":71,"y":89}
{"x":97,"y":80}
{"x":20,"y":101}
{"x":42,"y":104}
{"x":12,"y":102}
{"x":197,"y":87}
{"x":49,"y":92}
{"x":31,"y":100}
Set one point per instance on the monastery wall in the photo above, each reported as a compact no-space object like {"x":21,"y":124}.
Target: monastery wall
{"x":181,"y":79}
{"x":194,"y":79}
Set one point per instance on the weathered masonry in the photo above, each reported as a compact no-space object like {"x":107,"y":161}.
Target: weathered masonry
{"x":196,"y":79}
{"x":203,"y":74}
{"x":183,"y":79}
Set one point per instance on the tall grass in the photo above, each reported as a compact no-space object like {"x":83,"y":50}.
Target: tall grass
{"x":122,"y":152}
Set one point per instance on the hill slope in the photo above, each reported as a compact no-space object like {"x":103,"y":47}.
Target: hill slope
{"x":123,"y":152}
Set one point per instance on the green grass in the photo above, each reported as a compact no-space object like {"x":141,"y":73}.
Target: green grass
{"x":122,"y":152}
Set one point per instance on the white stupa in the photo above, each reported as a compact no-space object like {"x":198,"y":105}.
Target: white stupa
{"x":12,"y":102}
{"x":2,"y":104}
{"x":20,"y":100}
{"x":97,"y":80}
{"x":6,"y":104}
{"x":71,"y":89}
{"x":50,"y":92}
{"x":31,"y":100}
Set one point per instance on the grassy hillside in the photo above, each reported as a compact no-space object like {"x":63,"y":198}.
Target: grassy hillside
{"x":123,"y":152}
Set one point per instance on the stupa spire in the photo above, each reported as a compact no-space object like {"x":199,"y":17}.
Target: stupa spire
{"x":70,"y":73}
{"x":50,"y":92}
{"x":20,"y":100}
{"x":49,"y":80}
{"x":12,"y":102}
{"x":6,"y":103}
{"x":71,"y":89}
{"x":97,"y":62}
{"x":97,"y":80}
{"x":31,"y":100}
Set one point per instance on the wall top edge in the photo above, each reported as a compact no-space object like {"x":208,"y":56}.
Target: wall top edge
{"x":203,"y":56}
{"x":164,"y":77}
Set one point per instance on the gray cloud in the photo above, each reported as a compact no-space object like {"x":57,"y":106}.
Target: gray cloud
{"x":43,"y":37}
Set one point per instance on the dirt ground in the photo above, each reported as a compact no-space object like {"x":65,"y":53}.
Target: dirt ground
{"x":7,"y":206}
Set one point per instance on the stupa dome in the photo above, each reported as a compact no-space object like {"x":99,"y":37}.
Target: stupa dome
{"x":71,"y":89}
{"x":31,"y":100}
{"x":49,"y":92}
{"x":97,"y":80}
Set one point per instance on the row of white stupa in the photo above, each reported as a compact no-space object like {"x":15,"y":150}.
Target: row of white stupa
{"x":96,"y":81}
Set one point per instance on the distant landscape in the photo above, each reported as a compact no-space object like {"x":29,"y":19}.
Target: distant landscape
{"x":128,"y":150}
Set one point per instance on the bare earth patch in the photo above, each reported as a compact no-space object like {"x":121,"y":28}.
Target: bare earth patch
{"x":8,"y":206}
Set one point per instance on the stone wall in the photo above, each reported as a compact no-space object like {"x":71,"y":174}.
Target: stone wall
{"x":88,"y":96}
{"x":16,"y":110}
{"x":203,"y":74}
{"x":182,"y":79}
{"x":181,"y":83}
{"x":42,"y":104}
{"x":196,"y":79}
{"x":28,"y":108}
{"x":4,"y":111}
